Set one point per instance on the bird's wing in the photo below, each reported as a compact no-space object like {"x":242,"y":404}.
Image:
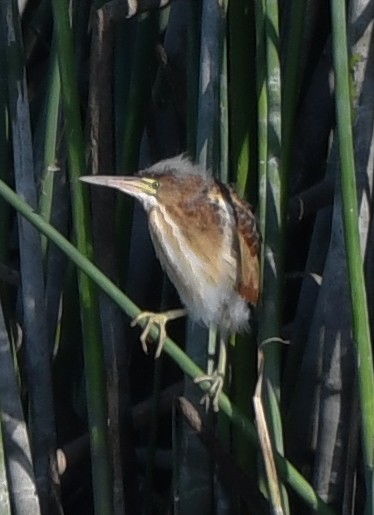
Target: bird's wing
{"x":249,"y":249}
{"x":249,"y":272}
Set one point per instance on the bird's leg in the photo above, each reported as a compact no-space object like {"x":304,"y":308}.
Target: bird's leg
{"x":217,"y":378}
{"x":160,"y":320}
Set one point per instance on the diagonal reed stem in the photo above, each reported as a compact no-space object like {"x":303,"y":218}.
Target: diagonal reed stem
{"x":287,"y":471}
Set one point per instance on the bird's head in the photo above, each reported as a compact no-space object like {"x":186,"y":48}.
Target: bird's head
{"x":162,"y":183}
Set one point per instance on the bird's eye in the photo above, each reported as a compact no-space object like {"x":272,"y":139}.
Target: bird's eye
{"x":156,"y":185}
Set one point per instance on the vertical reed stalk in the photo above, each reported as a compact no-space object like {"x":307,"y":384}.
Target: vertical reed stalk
{"x":360,"y":315}
{"x":274,"y":227}
{"x":90,"y":319}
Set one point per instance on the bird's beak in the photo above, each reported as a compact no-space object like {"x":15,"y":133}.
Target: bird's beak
{"x":132,"y":185}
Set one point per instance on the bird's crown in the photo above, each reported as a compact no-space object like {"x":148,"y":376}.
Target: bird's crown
{"x":179,"y":166}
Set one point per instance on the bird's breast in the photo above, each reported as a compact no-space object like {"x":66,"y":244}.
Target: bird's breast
{"x":197,"y":255}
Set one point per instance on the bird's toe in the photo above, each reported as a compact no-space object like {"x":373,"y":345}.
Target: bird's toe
{"x":216,"y":381}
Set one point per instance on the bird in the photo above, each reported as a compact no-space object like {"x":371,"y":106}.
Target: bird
{"x":207,"y":240}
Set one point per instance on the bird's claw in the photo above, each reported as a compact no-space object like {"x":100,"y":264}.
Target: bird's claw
{"x":216,"y":380}
{"x":158,"y":319}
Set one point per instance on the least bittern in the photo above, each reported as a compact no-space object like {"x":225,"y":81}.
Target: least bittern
{"x":206,"y":239}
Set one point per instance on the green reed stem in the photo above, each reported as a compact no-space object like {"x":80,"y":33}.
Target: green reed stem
{"x":90,"y":319}
{"x":361,"y":326}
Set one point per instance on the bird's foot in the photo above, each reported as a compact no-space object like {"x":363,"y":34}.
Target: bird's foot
{"x":216,"y":381}
{"x":160,"y":320}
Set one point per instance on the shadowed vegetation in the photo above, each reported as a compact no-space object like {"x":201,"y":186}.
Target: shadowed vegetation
{"x":275,"y":98}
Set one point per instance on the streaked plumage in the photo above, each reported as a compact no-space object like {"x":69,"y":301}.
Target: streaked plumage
{"x":209,"y":249}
